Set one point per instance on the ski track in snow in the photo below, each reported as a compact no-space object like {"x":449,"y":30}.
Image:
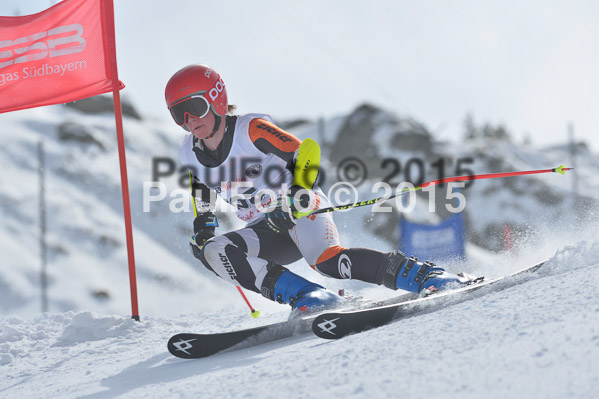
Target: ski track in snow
{"x":536,"y":339}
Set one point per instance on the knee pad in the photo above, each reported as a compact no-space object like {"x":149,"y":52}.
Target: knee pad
{"x":353,"y":263}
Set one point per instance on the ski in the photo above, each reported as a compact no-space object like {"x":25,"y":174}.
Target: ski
{"x":335,"y":325}
{"x":195,"y":346}
{"x":358,"y":316}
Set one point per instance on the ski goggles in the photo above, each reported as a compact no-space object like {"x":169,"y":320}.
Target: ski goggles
{"x":195,"y":105}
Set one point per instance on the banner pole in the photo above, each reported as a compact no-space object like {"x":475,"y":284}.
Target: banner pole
{"x":118,"y":115}
{"x":43,"y":247}
{"x":112,"y":70}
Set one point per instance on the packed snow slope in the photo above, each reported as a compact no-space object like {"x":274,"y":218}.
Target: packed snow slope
{"x":539,"y":339}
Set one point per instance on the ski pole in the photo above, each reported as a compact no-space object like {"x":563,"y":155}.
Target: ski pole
{"x":254,"y":313}
{"x":560,"y":169}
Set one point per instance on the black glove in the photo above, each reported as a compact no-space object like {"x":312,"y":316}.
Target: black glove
{"x":204,"y":226}
{"x":282,"y":218}
{"x":300,"y":199}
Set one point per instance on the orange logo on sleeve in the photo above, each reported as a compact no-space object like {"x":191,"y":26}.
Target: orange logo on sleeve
{"x":261,"y":129}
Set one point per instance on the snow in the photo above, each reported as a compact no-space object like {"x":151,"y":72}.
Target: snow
{"x":536,"y":339}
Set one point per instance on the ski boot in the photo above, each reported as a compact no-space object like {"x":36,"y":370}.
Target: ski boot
{"x":283,"y":286}
{"x":421,"y":278}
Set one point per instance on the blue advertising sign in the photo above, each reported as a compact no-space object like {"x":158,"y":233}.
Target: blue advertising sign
{"x":436,"y":243}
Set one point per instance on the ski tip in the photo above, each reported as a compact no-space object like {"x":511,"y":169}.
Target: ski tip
{"x":561,"y":169}
{"x":255,"y":313}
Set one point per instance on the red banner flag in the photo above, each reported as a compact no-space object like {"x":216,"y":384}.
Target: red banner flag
{"x":65,"y":53}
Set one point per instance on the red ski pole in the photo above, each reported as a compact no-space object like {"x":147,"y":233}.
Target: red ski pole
{"x":560,"y":169}
{"x":254,"y":312}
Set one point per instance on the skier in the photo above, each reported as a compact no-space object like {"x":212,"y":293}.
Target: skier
{"x":224,"y":152}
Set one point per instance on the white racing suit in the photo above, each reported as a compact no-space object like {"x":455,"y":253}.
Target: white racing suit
{"x":255,"y":155}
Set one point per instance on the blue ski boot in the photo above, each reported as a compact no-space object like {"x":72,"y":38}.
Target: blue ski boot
{"x":421,"y":278}
{"x":284,"y":286}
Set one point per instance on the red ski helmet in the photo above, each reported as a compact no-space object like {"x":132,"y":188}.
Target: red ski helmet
{"x":194,"y":90}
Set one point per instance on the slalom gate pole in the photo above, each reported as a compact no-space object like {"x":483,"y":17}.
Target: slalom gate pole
{"x":107,"y":11}
{"x":118,"y":115}
{"x":560,"y":169}
{"x":254,"y":313}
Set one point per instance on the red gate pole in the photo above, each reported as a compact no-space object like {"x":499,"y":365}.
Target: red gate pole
{"x":118,"y":116}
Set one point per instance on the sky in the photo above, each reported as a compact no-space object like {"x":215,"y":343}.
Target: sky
{"x":531,"y":66}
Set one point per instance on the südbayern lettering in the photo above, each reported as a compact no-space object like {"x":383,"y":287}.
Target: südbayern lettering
{"x":47,"y":69}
